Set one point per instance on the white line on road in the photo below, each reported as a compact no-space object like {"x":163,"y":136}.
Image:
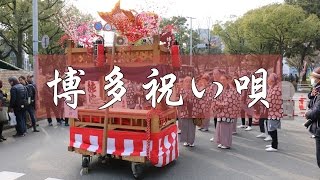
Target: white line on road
{"x":45,"y":132}
{"x":6,"y":175}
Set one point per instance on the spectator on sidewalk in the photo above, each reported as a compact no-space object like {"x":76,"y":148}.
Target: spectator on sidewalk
{"x":291,"y":78}
{"x":31,"y":107}
{"x":30,"y":81}
{"x":312,"y":116}
{"x":18,"y":98}
{"x":3,"y":97}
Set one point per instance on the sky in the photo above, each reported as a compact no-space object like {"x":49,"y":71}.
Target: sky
{"x":217,"y":10}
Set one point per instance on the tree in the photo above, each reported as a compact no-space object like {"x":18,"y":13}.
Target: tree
{"x":54,"y":33}
{"x":182,"y":32}
{"x":232,"y":36}
{"x":16,"y":22}
{"x":55,"y":30}
{"x":310,"y":6}
{"x":272,"y":29}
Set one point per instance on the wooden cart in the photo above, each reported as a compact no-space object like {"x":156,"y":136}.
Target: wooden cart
{"x":114,"y":120}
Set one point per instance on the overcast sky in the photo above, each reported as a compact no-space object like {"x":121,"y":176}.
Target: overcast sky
{"x":218,"y":10}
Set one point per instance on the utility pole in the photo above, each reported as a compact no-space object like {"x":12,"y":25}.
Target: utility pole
{"x":209,"y":40}
{"x":191,"y":39}
{"x":35,"y":40}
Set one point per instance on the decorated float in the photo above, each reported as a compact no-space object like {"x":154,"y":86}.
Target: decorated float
{"x":141,"y":135}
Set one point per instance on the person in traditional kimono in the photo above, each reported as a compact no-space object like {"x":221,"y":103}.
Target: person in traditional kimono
{"x":245,"y":111}
{"x":213,"y":111}
{"x":205,"y":102}
{"x":178,"y":88}
{"x":275,"y":111}
{"x":262,"y":112}
{"x":226,"y":115}
{"x":188,"y":128}
{"x":237,"y":106}
{"x":130,"y":95}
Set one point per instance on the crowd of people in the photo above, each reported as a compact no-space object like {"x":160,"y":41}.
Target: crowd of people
{"x":228,"y":107}
{"x":225,"y":109}
{"x":22,"y":104}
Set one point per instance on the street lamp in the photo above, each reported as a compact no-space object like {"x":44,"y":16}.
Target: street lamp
{"x":191,"y":39}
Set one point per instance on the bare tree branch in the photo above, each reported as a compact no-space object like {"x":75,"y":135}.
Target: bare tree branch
{"x":27,"y":49}
{"x":6,"y":55}
{"x":8,"y":42}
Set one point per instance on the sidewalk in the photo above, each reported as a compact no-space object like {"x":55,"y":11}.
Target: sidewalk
{"x":7,"y":126}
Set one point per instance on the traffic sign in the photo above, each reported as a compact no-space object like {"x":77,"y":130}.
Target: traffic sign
{"x":98,"y":26}
{"x":201,"y":46}
{"x":45,"y":41}
{"x":107,"y":27}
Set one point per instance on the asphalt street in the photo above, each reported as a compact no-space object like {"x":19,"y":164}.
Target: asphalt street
{"x":44,"y":156}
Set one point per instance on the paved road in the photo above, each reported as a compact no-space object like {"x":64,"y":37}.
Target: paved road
{"x":44,"y":156}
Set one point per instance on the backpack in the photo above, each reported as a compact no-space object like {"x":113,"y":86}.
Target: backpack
{"x":25,"y":101}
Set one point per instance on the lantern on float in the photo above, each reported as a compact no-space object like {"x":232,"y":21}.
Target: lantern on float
{"x":175,"y":56}
{"x":99,"y":52}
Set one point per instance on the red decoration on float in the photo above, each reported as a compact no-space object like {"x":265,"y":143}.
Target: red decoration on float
{"x":163,"y":150}
{"x":132,"y":25}
{"x":175,"y":55}
{"x":100,"y":55}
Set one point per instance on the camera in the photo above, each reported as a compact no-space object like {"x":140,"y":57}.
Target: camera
{"x":308,"y":123}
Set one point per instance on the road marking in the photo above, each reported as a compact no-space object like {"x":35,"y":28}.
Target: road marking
{"x":6,"y":175}
{"x":45,"y":132}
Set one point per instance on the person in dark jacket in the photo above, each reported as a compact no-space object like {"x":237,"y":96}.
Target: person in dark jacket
{"x":311,"y":95}
{"x":18,"y":95}
{"x":31,"y":108}
{"x":30,"y":81}
{"x":3,"y":97}
{"x":312,"y":115}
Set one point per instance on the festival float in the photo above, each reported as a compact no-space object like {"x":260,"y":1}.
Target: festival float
{"x":141,"y":135}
